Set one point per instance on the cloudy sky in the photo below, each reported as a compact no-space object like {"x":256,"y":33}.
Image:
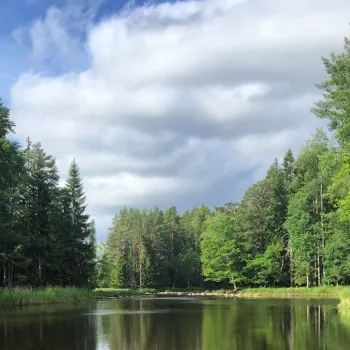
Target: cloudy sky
{"x":179,"y":102}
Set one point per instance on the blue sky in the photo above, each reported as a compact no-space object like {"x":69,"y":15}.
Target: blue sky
{"x":172,"y":103}
{"x":17,"y":14}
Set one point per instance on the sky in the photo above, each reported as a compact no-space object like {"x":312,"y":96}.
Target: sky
{"x":166,"y":103}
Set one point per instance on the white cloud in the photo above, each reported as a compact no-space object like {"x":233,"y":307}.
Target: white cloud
{"x":178,"y":96}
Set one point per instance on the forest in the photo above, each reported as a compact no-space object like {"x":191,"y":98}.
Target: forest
{"x":46,"y":238}
{"x":291,"y":228}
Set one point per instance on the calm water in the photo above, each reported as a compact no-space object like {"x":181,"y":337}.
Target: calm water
{"x":178,"y":324}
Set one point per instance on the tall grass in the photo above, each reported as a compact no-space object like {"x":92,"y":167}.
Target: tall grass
{"x":330,"y":291}
{"x":19,"y":296}
{"x":342,"y":293}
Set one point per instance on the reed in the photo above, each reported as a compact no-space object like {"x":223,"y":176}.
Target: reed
{"x":326,"y":291}
{"x":20,"y":296}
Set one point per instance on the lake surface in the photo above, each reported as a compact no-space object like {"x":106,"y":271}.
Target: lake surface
{"x":178,"y":324}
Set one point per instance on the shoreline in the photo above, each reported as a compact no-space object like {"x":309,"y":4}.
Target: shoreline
{"x":340,"y":293}
{"x":10,"y":297}
{"x":332,"y":292}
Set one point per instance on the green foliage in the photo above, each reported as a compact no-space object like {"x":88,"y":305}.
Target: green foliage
{"x":329,"y":291}
{"x":153,"y":248}
{"x":265,"y":269}
{"x":336,"y":94}
{"x":80,"y":238}
{"x":299,"y":226}
{"x":45,"y":236}
{"x":221,"y":248}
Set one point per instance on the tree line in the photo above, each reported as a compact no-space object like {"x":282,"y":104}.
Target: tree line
{"x":291,"y":228}
{"x":46,"y":238}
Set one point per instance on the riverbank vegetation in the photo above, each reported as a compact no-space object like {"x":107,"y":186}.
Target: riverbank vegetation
{"x":21,"y":296}
{"x":327,"y":291}
{"x":290,"y":229}
{"x":340,"y":292}
{"x":46,"y":238}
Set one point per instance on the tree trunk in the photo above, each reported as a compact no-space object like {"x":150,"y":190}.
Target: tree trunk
{"x":39,"y":270}
{"x":10,"y":274}
{"x":322,"y":233}
{"x":4,"y":275}
{"x":291,"y":267}
{"x":319,"y":269}
{"x":316,"y":269}
{"x":140,"y":268}
{"x":4,"y":270}
{"x":307,"y":280}
{"x":234,"y":286}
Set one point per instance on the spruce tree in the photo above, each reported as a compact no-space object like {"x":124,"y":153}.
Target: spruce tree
{"x":11,"y":171}
{"x":80,"y":243}
{"x":41,"y":193}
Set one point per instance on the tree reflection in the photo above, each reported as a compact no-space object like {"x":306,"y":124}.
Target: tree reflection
{"x":178,"y":324}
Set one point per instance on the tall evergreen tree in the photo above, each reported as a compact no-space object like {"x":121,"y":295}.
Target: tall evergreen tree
{"x":80,"y":243}
{"x":11,"y":229}
{"x":41,"y":194}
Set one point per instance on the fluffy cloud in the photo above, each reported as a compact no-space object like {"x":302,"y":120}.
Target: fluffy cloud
{"x":182,"y":102}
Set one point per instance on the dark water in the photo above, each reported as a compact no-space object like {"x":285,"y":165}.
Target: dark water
{"x":178,"y":324}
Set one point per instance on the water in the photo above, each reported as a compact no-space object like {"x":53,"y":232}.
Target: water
{"x":178,"y":324}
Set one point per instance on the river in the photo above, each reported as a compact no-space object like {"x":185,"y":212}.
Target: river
{"x":178,"y":324}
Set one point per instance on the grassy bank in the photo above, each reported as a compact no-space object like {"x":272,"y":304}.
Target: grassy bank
{"x":342,"y":293}
{"x":125,"y":292}
{"x":328,"y":291}
{"x":29,"y":296}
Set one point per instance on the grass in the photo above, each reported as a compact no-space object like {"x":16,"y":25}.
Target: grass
{"x":19,"y":296}
{"x":327,"y":291}
{"x":342,"y":293}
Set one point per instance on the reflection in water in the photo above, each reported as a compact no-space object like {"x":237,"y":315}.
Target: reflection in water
{"x":178,"y":324}
{"x":47,"y":327}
